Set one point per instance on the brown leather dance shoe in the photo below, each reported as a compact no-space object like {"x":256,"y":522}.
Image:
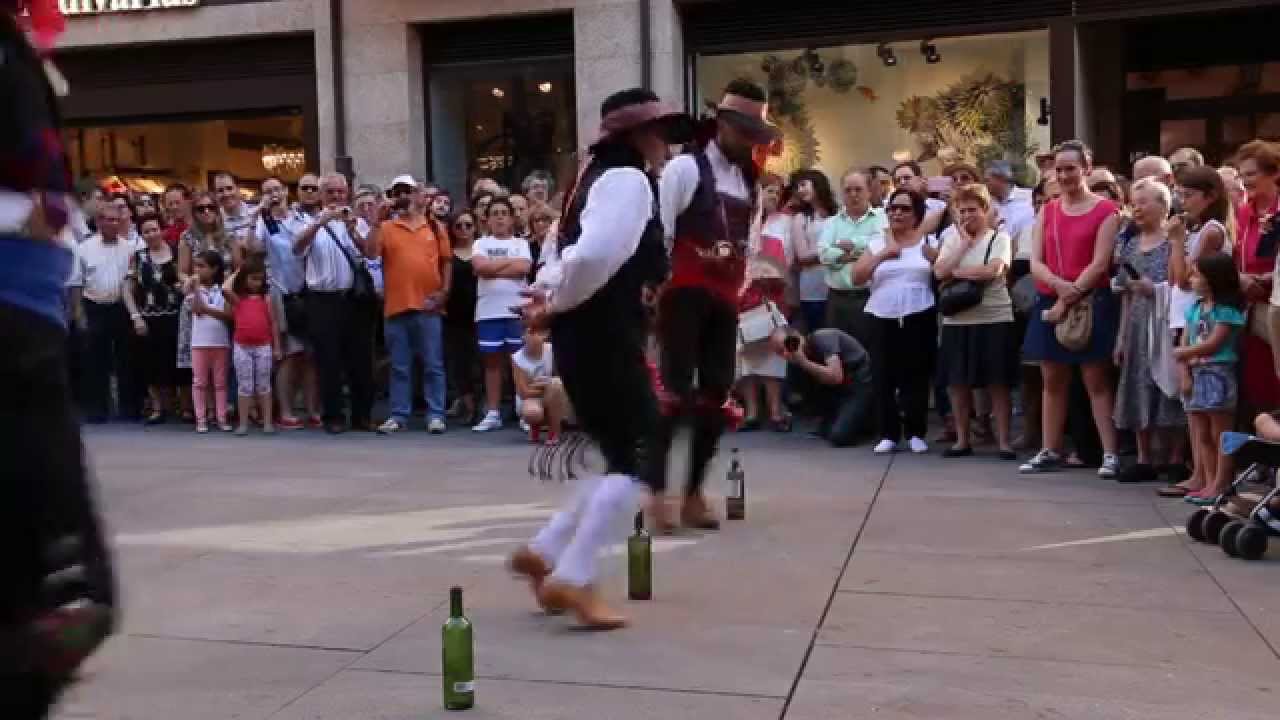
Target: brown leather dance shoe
{"x":583,"y":601}
{"x":695,"y":513}
{"x":530,"y":564}
{"x":660,"y":522}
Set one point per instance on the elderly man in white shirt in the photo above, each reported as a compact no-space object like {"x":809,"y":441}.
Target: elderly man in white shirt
{"x":100,"y":272}
{"x":341,"y":325}
{"x":1013,"y":205}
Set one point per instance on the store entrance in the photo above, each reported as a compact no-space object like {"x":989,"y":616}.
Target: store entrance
{"x":1211,"y":82}
{"x":147,"y":155}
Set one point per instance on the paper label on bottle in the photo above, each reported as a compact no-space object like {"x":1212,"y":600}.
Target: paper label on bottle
{"x":464,"y":687}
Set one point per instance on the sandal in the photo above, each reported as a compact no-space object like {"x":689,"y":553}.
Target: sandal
{"x":1172,"y":491}
{"x":1074,"y":462}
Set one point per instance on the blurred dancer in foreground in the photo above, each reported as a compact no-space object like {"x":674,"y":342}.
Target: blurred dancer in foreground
{"x":56,"y":588}
{"x":610,"y":249}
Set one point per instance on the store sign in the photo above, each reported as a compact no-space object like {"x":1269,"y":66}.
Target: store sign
{"x":111,"y":7}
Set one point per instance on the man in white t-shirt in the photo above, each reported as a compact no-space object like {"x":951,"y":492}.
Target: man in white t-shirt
{"x":501,"y":262}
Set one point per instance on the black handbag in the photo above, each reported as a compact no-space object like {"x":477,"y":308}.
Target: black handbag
{"x":960,"y":295}
{"x":362,"y":288}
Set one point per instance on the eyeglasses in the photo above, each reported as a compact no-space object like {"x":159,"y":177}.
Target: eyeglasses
{"x":893,"y":208}
{"x":309,"y":188}
{"x":206,"y":208}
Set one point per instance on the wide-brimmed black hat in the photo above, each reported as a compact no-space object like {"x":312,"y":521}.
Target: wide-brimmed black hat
{"x":636,"y":108}
{"x":749,"y":116}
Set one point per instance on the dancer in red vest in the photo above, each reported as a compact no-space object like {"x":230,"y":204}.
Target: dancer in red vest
{"x":707,"y":200}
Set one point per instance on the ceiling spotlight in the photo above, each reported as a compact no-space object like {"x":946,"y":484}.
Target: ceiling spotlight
{"x":544,"y":87}
{"x":499,"y":93}
{"x":885,"y":53}
{"x":930,"y":52}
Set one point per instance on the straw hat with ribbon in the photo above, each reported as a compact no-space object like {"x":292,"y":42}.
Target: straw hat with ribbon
{"x":748,"y":116}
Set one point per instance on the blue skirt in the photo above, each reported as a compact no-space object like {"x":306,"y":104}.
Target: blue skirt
{"x":1041,"y":345}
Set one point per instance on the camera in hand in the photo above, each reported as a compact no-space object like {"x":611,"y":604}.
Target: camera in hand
{"x":791,"y":343}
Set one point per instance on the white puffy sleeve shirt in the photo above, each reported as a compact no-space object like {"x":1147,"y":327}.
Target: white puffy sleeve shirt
{"x":900,"y":286}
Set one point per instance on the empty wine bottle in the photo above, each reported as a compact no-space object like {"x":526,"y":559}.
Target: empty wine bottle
{"x":458,"y":657}
{"x":640,"y":562}
{"x":735,"y":500}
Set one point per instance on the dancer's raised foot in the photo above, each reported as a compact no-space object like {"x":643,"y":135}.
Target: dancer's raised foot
{"x":584,"y":602}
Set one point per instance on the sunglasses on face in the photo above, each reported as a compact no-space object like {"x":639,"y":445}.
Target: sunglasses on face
{"x":900,"y":208}
{"x":206,"y":208}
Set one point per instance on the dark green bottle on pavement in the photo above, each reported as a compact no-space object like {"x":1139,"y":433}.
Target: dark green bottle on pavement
{"x":640,"y":562}
{"x":458,"y":656}
{"x":735,"y":500}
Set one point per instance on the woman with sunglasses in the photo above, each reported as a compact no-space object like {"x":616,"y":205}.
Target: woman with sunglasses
{"x":206,"y":233}
{"x":899,"y":267}
{"x":461,"y":353}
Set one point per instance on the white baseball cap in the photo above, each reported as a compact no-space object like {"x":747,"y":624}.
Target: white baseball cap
{"x":403,"y":180}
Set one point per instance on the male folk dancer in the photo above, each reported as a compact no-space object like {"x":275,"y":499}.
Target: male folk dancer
{"x":57,"y":590}
{"x":610,"y":249}
{"x":708,"y":204}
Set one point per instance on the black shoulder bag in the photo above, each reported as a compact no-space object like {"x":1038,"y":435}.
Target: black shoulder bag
{"x":960,"y":295}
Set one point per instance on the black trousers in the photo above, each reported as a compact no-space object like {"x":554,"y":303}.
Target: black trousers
{"x":902,"y":365}
{"x":698,"y":334}
{"x":110,"y":346}
{"x":608,"y":383}
{"x":342,"y":338}
{"x":44,"y":494}
{"x":461,"y":357}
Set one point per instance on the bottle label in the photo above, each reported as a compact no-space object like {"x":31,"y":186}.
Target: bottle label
{"x":464,"y":687}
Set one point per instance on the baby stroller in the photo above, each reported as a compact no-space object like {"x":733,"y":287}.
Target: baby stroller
{"x":1248,"y":513}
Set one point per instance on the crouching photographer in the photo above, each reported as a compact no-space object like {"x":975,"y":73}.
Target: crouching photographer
{"x":841,"y":369}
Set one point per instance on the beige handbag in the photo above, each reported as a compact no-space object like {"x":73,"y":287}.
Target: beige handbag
{"x":1076,"y":327}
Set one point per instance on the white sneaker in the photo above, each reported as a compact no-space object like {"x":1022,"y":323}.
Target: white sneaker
{"x":885,"y":447}
{"x":1110,"y":466}
{"x":918,"y":446}
{"x":524,"y":427}
{"x":492,"y":421}
{"x":436,"y":426}
{"x":392,"y":425}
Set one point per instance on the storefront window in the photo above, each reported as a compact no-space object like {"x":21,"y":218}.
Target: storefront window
{"x":974,"y":98}
{"x":501,"y":121}
{"x":146,"y":157}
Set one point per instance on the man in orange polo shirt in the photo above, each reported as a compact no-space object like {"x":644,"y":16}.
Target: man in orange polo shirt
{"x":416,"y":274}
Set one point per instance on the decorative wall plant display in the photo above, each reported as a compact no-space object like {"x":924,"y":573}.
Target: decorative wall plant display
{"x":982,"y":116}
{"x":787,"y":79}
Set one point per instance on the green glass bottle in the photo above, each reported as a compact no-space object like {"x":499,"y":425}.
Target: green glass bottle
{"x":735,"y":500}
{"x":458,"y":656}
{"x":640,"y":563}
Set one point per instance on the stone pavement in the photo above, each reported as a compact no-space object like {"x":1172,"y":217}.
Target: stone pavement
{"x":305,"y":578}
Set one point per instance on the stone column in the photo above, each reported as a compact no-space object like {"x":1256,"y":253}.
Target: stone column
{"x":606,"y":50}
{"x":383,"y":70}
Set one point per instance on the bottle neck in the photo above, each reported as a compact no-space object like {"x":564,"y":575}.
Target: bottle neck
{"x":455,"y":602}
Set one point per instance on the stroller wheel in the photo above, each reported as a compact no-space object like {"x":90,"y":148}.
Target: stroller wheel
{"x":1213,"y":524}
{"x":1251,"y":542}
{"x":1227,"y":538}
{"x":1195,"y":525}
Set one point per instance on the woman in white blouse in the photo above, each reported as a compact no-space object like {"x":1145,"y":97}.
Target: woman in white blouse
{"x":899,"y":267}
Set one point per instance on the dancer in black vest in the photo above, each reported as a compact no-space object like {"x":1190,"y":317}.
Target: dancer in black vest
{"x":610,"y":250}
{"x":708,"y":204}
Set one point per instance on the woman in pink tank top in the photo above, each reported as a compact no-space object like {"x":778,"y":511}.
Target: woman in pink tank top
{"x":1071,"y":262}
